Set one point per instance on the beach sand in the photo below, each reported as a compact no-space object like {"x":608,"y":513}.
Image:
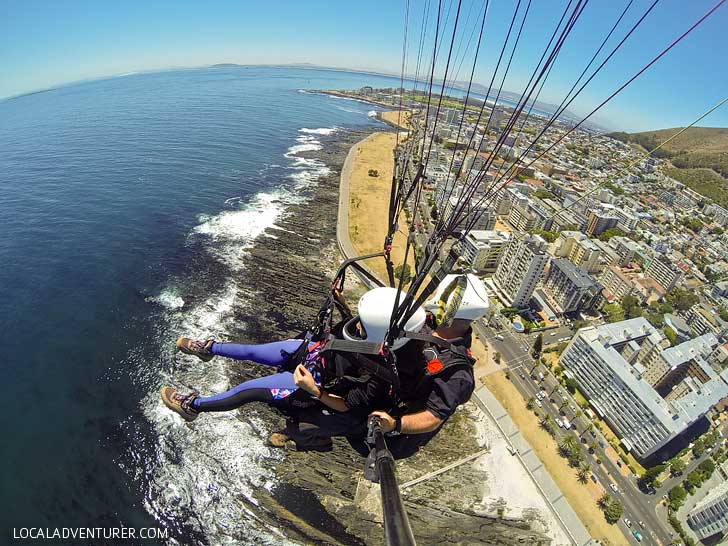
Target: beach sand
{"x":397,"y":118}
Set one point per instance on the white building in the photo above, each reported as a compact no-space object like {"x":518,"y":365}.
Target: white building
{"x":521,"y":266}
{"x":664,"y":272}
{"x":710,"y":515}
{"x":611,"y":364}
{"x":579,"y":250}
{"x":482,"y":249}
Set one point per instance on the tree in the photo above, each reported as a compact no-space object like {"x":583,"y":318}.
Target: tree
{"x":614,"y":312}
{"x":373,"y":172}
{"x":707,"y":467}
{"x":583,"y":472}
{"x":681,"y":299}
{"x":570,"y":384}
{"x":604,"y":501}
{"x":614,"y":511}
{"x":631,"y":306}
{"x":403,"y":270}
{"x":587,"y":429}
{"x":548,"y":236}
{"x":567,"y":444}
{"x":677,"y":496}
{"x":649,"y":478}
{"x":531,"y":403}
{"x":538,"y":344}
{"x":671,"y":335}
{"x":677,"y":467}
{"x":433,"y":212}
{"x":698,"y":447}
{"x":694,"y":480}
{"x":611,"y":232}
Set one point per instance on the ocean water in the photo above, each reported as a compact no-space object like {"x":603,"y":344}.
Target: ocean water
{"x":126,"y":206}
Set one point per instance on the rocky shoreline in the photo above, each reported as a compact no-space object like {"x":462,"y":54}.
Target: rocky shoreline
{"x":316,"y":501}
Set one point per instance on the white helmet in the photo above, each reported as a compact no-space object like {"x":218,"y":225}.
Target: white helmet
{"x":375,"y":312}
{"x":473,"y":305}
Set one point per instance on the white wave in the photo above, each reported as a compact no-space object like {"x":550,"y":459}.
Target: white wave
{"x":320,"y":131}
{"x":169,"y":298}
{"x":234,"y":231}
{"x":372,"y":113}
{"x":298,"y":148}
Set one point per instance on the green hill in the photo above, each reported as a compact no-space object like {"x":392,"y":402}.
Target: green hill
{"x":699,"y":157}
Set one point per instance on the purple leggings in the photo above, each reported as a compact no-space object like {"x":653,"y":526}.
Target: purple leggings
{"x":272,"y":389}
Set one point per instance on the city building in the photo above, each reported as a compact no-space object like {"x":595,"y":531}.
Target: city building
{"x":599,"y":222}
{"x":625,"y":248}
{"x":521,"y":266}
{"x":664,"y":271}
{"x":710,"y":515}
{"x":654,"y":418}
{"x":569,"y":289}
{"x":481,"y":250}
{"x":617,"y":284}
{"x":579,"y":250}
{"x":702,"y":320}
{"x":521,"y":218}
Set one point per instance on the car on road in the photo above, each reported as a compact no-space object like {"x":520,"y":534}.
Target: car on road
{"x":539,"y":403}
{"x":560,"y":422}
{"x":641,"y":523}
{"x":552,"y":334}
{"x":499,"y":337}
{"x":594,"y":478}
{"x":637,"y":535}
{"x":614,"y":487}
{"x":601,"y":444}
{"x":627,"y":522}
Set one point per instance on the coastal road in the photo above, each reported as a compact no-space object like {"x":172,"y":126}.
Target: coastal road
{"x":515,"y":356}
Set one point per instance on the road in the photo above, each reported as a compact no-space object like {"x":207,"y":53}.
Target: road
{"x":515,"y":355}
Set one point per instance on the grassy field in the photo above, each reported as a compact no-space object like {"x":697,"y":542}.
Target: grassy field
{"x":369,"y":201}
{"x":581,"y":497}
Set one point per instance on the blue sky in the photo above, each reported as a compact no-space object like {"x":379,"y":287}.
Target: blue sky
{"x":43,"y":44}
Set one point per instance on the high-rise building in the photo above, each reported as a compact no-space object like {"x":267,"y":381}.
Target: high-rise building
{"x":654,"y":419}
{"x":579,"y":250}
{"x":482,"y":250}
{"x":664,"y":272}
{"x":569,"y":288}
{"x":616,"y":284}
{"x":599,"y":222}
{"x":521,"y":218}
{"x":521,"y":266}
{"x":710,"y":515}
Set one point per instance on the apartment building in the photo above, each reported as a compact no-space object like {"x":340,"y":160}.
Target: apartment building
{"x":611,"y":364}
{"x":521,"y":266}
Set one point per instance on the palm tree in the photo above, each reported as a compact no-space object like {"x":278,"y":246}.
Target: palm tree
{"x":583,"y":472}
{"x":587,"y":429}
{"x":531,"y":402}
{"x":547,"y":423}
{"x":604,"y":501}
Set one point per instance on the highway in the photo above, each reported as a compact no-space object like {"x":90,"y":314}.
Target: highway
{"x":515,"y":352}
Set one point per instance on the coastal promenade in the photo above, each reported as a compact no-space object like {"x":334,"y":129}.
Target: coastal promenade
{"x":485,"y":401}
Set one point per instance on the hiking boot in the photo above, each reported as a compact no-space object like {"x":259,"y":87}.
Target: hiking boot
{"x":196,"y":347}
{"x":180,"y":403}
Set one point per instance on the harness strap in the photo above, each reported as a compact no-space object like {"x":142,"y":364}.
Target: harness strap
{"x":443,"y":343}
